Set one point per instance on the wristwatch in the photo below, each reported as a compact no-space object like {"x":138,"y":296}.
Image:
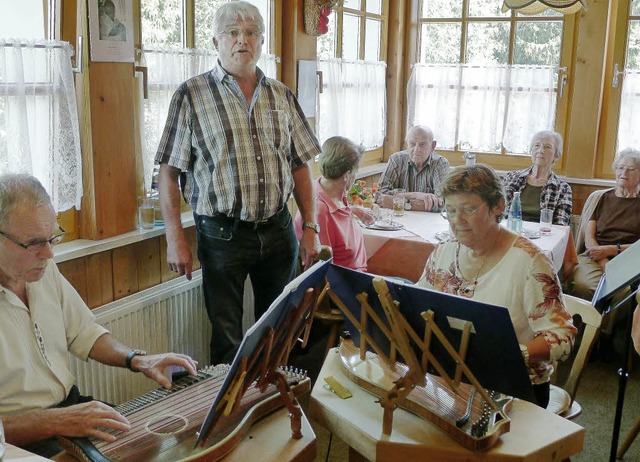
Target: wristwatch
{"x":130,"y":356}
{"x":313,"y":226}
{"x":525,"y":353}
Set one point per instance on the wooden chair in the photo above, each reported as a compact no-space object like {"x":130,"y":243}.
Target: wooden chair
{"x":562,"y":399}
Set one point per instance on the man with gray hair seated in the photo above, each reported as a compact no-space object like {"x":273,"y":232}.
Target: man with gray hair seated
{"x":42,"y":319}
{"x":418,"y":170}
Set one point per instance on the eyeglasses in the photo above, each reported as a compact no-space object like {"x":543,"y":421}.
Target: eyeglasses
{"x":419,"y":144}
{"x":465,"y":212}
{"x":625,"y":169}
{"x":37,"y":246}
{"x":247,"y":33}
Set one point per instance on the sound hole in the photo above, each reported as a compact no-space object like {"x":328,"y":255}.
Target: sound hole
{"x":168,"y":424}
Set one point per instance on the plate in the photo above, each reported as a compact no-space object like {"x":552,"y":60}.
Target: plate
{"x":531,"y":233}
{"x":443,"y":236}
{"x":385,"y":226}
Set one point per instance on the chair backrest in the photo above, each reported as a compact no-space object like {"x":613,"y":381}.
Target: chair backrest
{"x":587,"y":211}
{"x":591,"y":319}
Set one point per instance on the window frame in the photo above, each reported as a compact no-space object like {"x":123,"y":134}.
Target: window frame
{"x":376,"y":155}
{"x":612,"y":96}
{"x":503,"y":160}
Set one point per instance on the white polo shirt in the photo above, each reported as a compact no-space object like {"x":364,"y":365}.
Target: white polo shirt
{"x":35,"y":342}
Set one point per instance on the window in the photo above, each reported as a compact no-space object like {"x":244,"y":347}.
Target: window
{"x":479,"y":72}
{"x":39,"y":131}
{"x":622,"y":90}
{"x":173,"y":51}
{"x":351,"y":57}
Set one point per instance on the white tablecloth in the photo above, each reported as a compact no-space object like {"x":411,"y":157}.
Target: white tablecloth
{"x":424,"y":226}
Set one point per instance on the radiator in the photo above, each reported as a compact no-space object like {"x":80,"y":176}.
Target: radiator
{"x":168,"y":317}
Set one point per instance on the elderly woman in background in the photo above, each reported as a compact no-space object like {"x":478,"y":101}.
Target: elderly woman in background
{"x":339,"y":162}
{"x":610,"y":224}
{"x":539,"y":187}
{"x":485,"y":255}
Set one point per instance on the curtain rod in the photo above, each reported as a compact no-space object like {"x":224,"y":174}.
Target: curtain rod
{"x":25,"y":45}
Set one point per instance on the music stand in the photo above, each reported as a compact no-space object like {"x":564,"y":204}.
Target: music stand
{"x":266,"y":346}
{"x":619,"y":274}
{"x":493,"y":353}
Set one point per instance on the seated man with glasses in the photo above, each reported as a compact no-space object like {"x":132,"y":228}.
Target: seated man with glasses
{"x":42,"y":320}
{"x":418,"y":171}
{"x":488,"y":263}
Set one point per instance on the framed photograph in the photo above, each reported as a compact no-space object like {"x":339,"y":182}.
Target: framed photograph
{"x":111,"y":30}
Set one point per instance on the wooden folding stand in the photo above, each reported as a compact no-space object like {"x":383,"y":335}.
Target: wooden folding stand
{"x":438,"y":357}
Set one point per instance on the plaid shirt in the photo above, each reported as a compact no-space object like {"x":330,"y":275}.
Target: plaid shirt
{"x":555,"y":195}
{"x":236,"y":157}
{"x":401,"y":172}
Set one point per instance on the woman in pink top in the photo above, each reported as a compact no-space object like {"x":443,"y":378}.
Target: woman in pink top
{"x":339,"y":162}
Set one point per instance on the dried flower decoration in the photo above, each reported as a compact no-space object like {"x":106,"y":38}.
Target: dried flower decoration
{"x":316,"y":15}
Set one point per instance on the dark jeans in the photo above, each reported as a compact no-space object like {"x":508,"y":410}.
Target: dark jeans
{"x":228,"y":251}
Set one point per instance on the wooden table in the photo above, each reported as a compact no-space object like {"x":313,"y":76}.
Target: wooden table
{"x":535,"y":435}
{"x":404,"y":253}
{"x":268,"y":440}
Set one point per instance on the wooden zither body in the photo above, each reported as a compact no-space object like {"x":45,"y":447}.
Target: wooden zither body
{"x":164,"y":423}
{"x":462,"y":414}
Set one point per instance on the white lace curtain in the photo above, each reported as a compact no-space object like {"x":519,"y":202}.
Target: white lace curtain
{"x":628,"y":134}
{"x":39,"y":131}
{"x":482,"y":108}
{"x":353,"y":101}
{"x":167,"y":68}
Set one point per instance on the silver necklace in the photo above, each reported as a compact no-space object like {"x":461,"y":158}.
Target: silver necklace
{"x":467,"y":290}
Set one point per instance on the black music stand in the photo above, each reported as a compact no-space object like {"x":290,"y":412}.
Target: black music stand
{"x":267,"y":343}
{"x":493,"y":353}
{"x":619,"y":274}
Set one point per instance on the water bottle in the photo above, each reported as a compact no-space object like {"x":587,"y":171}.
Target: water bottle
{"x":514,"y":222}
{"x":155,"y":195}
{"x":469,"y":158}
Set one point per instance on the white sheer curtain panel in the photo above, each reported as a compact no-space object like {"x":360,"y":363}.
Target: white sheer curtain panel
{"x":167,"y":68}
{"x":628,"y":134}
{"x":39,"y":131}
{"x":482,"y":108}
{"x":353,"y":101}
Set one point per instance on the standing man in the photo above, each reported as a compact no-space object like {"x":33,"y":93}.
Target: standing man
{"x":418,"y":170}
{"x":237,"y":144}
{"x":42,"y":320}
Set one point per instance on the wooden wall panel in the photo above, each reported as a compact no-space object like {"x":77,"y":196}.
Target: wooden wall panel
{"x":580,"y":192}
{"x":582,"y":135}
{"x":148,"y":263}
{"x":74,"y":271}
{"x":135,"y":267}
{"x":398,"y":34}
{"x":99,"y":274}
{"x":113,"y":185}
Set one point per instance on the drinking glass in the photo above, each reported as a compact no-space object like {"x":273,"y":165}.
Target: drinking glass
{"x":546,"y":218}
{"x":146,"y":212}
{"x":398,"y":202}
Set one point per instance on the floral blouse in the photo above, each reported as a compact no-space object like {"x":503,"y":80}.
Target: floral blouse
{"x":525,"y":283}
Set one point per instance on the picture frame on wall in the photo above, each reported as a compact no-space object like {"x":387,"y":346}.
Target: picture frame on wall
{"x":111,"y":31}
